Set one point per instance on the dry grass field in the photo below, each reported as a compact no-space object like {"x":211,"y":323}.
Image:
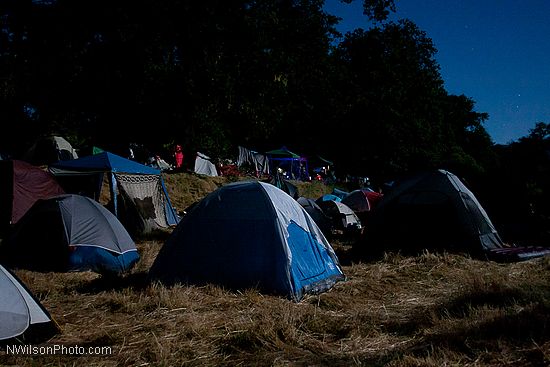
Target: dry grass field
{"x":428,"y":310}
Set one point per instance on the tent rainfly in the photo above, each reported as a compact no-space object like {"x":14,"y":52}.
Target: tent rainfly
{"x":327,"y":197}
{"x":278,"y":181}
{"x":316,"y":213}
{"x":21,"y":185}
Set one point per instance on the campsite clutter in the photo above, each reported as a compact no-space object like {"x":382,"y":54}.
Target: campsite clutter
{"x":254,"y":162}
{"x":139,"y":199}
{"x":318,"y":215}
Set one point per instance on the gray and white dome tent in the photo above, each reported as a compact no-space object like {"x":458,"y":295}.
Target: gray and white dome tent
{"x":50,"y":149}
{"x":22,"y":318}
{"x":433,"y":209}
{"x":70,"y":233}
{"x":249,"y":234}
{"x":436,"y":210}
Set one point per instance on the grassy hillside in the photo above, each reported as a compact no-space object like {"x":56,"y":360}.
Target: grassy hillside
{"x":429,"y":310}
{"x":187,"y":188}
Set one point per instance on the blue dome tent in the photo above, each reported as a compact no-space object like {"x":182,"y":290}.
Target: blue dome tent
{"x":249,"y":235}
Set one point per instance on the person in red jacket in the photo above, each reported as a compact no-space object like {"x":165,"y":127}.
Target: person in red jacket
{"x":178,"y":156}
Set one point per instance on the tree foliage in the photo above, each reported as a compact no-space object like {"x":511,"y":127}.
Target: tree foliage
{"x":213,"y":74}
{"x":376,"y":9}
{"x":516,"y":187}
{"x":399,"y":115}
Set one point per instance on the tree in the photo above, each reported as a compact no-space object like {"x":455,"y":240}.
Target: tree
{"x":376,"y":9}
{"x":212,"y":74}
{"x":539,"y":134}
{"x":518,"y":187}
{"x":13,"y":107}
{"x":394,"y":88}
{"x":399,"y":116}
{"x":290,"y":69}
{"x":471,"y":148}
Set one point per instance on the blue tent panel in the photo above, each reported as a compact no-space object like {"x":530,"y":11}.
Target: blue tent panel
{"x":340,"y":193}
{"x":101,"y":261}
{"x":106,"y":161}
{"x":172,"y":218}
{"x":312,"y":266}
{"x":328,"y":197}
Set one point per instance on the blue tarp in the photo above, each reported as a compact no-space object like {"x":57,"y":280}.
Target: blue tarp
{"x":106,"y":161}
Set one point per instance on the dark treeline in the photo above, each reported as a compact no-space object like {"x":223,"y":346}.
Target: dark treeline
{"x":212,"y":74}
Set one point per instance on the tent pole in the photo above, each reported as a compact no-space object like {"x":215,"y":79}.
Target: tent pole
{"x":114,"y":191}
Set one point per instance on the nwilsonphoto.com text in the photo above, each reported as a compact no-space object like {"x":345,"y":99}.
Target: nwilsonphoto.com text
{"x":57,"y":349}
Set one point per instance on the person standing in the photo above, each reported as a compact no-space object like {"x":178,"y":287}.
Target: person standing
{"x":178,"y":156}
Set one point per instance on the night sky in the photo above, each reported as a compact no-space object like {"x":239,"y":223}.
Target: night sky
{"x":496,"y":52}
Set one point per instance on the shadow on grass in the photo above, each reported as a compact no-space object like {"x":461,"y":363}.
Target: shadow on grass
{"x":464,"y":305}
{"x":530,"y":324}
{"x":134,"y":281}
{"x":160,"y":235}
{"x":479,"y":321}
{"x":345,"y":255}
